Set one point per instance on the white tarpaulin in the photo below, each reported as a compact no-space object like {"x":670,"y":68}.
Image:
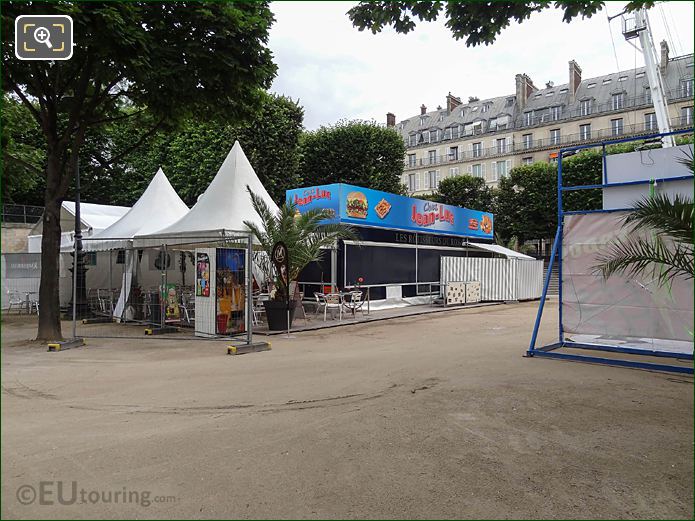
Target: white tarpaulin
{"x":93,"y":217}
{"x":223,"y":207}
{"x":625,"y":310}
{"x":158,"y":206}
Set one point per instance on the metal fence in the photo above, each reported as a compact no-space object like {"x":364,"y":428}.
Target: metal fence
{"x":200,"y":288}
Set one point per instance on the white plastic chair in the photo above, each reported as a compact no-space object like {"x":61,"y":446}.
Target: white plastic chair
{"x":355,"y":303}
{"x":15,"y":300}
{"x":333,"y":301}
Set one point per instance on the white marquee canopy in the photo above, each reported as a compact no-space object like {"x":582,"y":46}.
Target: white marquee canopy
{"x":221,"y":209}
{"x":158,"y":206}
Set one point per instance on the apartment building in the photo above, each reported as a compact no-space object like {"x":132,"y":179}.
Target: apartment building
{"x":487,"y":138}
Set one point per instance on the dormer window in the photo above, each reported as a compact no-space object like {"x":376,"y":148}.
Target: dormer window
{"x":563,"y":91}
{"x":622,"y":78}
{"x":591,"y":86}
{"x":422,"y":120}
{"x":412,"y":140}
{"x":492,"y":124}
{"x":548,"y":94}
{"x":462,"y":113}
{"x":606,"y":81}
{"x":434,"y":135}
{"x":485,"y":108}
{"x":639,"y":75}
{"x":474,"y":109}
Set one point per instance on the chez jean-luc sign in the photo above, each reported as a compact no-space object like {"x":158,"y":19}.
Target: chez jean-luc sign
{"x":362,"y":206}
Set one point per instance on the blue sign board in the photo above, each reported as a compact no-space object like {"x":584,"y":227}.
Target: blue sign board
{"x":364,"y":207}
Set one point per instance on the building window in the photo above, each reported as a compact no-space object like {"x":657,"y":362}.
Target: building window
{"x":502,"y":146}
{"x":447,"y":133}
{"x":527,"y":140}
{"x":477,"y":149}
{"x":433,"y":179}
{"x":485,"y":107}
{"x":432,"y":157}
{"x":120,"y":257}
{"x":639,"y":75}
{"x":686,"y":116}
{"x":585,"y":131}
{"x":606,"y":81}
{"x":555,"y":113}
{"x":555,"y":136}
{"x":411,"y":160}
{"x":454,"y":171}
{"x":413,"y":140}
{"x":650,"y":122}
{"x":412,"y":182}
{"x":591,"y":86}
{"x":647,"y":95}
{"x":453,"y":153}
{"x":618,"y":101}
{"x":585,"y":107}
{"x":527,"y":160}
{"x":492,"y":124}
{"x":687,"y":88}
{"x":477,"y":170}
{"x":622,"y":78}
{"x":422,"y":120}
{"x":617,"y":127}
{"x":528,"y":118}
{"x":499,"y":169}
{"x":434,"y":135}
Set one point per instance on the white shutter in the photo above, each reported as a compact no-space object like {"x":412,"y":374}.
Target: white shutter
{"x":482,"y":170}
{"x":438,"y":177}
{"x":426,"y":181}
{"x":509,"y":145}
{"x":509,"y":166}
{"x":417,"y":181}
{"x":470,"y":169}
{"x":494,"y":171}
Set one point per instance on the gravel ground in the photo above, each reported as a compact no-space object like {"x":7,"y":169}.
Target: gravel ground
{"x":436,"y":416}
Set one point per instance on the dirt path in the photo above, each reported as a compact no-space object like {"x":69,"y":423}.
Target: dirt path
{"x":432,"y":416}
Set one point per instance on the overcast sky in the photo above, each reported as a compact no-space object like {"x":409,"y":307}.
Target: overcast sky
{"x":338,"y":72}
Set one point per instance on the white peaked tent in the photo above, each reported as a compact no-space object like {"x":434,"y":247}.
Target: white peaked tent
{"x":222,"y":208}
{"x":158,"y":206}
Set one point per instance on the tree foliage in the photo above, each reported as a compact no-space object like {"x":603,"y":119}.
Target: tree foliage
{"x":477,"y":22}
{"x":355,"y":152}
{"x":306,"y":238}
{"x":173,"y":60}
{"x":526,"y":202}
{"x":466,"y":191}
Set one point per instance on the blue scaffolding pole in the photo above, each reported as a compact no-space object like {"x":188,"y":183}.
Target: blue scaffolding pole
{"x":554,"y":350}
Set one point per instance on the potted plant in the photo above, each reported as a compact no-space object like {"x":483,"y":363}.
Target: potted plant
{"x":305,"y":236}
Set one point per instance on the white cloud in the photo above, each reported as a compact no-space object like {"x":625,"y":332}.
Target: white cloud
{"x":338,"y":72}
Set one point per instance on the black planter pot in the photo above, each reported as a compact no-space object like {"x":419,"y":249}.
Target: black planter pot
{"x":277,"y":314}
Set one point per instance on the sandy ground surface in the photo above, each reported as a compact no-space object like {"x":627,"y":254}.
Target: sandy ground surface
{"x":435,"y":416}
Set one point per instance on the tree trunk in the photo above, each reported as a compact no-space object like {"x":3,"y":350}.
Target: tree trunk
{"x":49,"y":301}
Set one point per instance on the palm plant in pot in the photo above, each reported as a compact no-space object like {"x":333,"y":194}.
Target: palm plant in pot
{"x":306,"y":237}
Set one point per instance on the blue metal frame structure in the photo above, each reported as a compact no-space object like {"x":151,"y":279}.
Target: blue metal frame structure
{"x":552,"y":350}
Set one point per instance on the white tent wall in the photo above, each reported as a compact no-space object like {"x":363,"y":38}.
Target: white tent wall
{"x":623,"y":308}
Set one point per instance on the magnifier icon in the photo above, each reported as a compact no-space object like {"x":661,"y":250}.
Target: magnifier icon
{"x":42,"y":35}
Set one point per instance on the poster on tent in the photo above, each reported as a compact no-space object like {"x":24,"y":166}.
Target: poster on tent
{"x":202,"y":275}
{"x":230,"y":278}
{"x":170,"y":298}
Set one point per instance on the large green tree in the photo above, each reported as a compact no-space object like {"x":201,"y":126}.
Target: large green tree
{"x":356,"y":152}
{"x":526,"y":202}
{"x":477,"y":22}
{"x":171,"y":59}
{"x":466,"y":191}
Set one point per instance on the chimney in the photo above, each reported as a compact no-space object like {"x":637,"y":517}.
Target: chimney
{"x":390,"y":120}
{"x":664,"y":55}
{"x":575,"y":78}
{"x":524,"y":88}
{"x":423,"y":110}
{"x":452,"y":102}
